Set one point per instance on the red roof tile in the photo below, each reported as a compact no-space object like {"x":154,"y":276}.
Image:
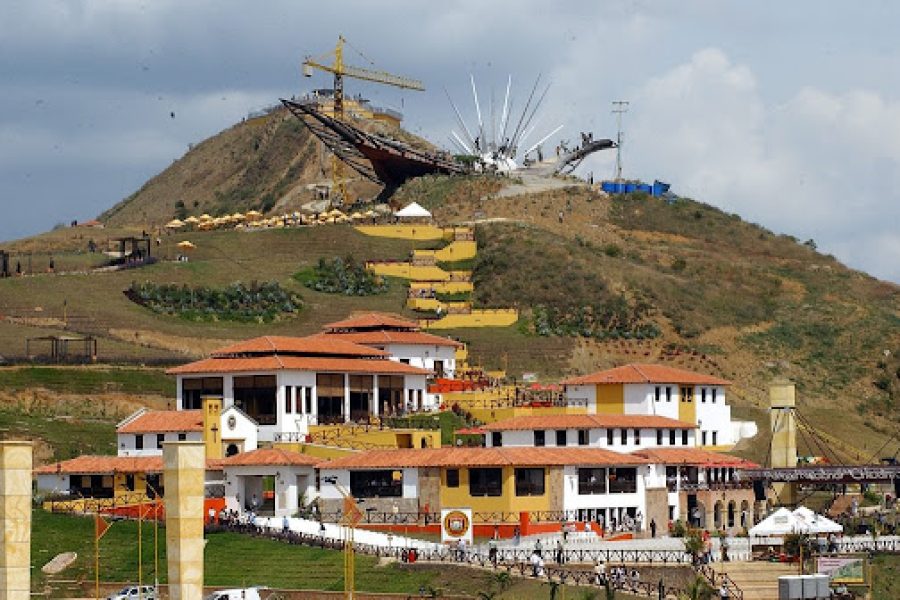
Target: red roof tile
{"x":270,"y":457}
{"x":102,"y":465}
{"x":161,"y":421}
{"x":372,"y":320}
{"x":462,"y":456}
{"x":381,"y":337}
{"x":298,"y":363}
{"x":694,"y":457}
{"x":314,"y":344}
{"x":643,"y":373}
{"x":586,"y":422}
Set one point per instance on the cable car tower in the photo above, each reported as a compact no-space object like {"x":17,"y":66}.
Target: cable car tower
{"x":341,"y":70}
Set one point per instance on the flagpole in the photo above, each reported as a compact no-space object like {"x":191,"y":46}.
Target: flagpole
{"x":140,"y":550}
{"x":96,"y":563}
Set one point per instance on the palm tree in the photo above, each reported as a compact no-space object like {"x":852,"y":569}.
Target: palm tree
{"x":554,"y":589}
{"x":698,"y":589}
{"x":503,"y":580}
{"x":608,"y":590}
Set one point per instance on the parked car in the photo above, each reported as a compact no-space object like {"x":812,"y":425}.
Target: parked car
{"x":251,"y":593}
{"x":134,"y":592}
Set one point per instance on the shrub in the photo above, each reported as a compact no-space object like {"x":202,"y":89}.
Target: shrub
{"x":259,"y":302}
{"x":342,"y":276}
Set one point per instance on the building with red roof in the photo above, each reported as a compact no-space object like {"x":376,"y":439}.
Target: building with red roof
{"x":664,"y":391}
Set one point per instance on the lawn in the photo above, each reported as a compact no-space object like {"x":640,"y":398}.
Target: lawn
{"x":232,"y":558}
{"x":84,"y":380}
{"x":69,"y":436}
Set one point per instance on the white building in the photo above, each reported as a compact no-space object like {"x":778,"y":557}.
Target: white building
{"x":642,"y":389}
{"x":286,"y":384}
{"x":269,"y":481}
{"x":143,"y":432}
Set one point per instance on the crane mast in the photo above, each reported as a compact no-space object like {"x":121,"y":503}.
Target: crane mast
{"x":340,"y":70}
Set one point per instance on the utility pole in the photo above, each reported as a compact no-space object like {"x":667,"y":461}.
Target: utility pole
{"x":620,"y":107}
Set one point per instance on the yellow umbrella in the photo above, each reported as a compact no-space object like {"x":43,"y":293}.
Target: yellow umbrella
{"x":186,"y":245}
{"x":192,"y":220}
{"x":175,"y":224}
{"x":356,"y":215}
{"x":205,"y":217}
{"x":252,"y":215}
{"x":237,"y":217}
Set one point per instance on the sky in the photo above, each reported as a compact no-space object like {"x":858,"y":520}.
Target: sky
{"x":786,"y":113}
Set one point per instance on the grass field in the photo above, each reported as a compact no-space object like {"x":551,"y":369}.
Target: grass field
{"x":236,"y":560}
{"x":88,"y":380}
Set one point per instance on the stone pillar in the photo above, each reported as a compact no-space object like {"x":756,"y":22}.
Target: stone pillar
{"x":15,"y":507}
{"x":783,"y":426}
{"x":185,"y":470}
{"x":346,"y":397}
{"x":376,"y":401}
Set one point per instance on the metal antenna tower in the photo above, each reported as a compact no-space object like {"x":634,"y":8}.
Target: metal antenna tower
{"x":620,"y":107}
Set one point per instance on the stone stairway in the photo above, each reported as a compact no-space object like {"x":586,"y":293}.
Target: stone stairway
{"x":758,"y":580}
{"x":843,"y":504}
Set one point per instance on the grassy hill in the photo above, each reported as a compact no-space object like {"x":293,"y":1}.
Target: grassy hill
{"x":599,"y":281}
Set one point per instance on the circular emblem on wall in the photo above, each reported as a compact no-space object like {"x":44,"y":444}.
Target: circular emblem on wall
{"x":456,"y":523}
{"x":232,"y":422}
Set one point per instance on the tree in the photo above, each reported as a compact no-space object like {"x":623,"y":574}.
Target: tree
{"x":698,"y":589}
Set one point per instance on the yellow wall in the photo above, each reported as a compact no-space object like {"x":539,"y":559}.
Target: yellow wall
{"x":489,"y":415}
{"x":610,"y":399}
{"x":424,"y":303}
{"x":507,"y":502}
{"x":501,"y":317}
{"x":443,"y":287}
{"x":454,"y":251}
{"x":408,"y":271}
{"x":687,"y":406}
{"x":419,"y":231}
{"x":212,"y":434}
{"x":315,"y":450}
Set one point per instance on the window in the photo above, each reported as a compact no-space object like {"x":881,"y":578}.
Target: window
{"x":659,"y":437}
{"x":668,"y":393}
{"x":390,"y":395}
{"x":194,"y":388}
{"x":687,"y":394}
{"x":713,"y":399}
{"x":591,"y":481}
{"x":657,"y":393}
{"x":452,"y":478}
{"x":702,"y":394}
{"x":582,"y":437}
{"x":160,"y":438}
{"x":182,"y":437}
{"x":361,"y":394}
{"x":609,"y":437}
{"x":715,"y":436}
{"x":255,"y":395}
{"x":376,"y":484}
{"x":561,"y":436}
{"x":496,"y":438}
{"x":439,"y":368}
{"x":637,"y":437}
{"x":529,"y":482}
{"x":684,"y":437}
{"x":671,"y":437}
{"x":703,"y":438}
{"x":129,"y":482}
{"x":139,"y":441}
{"x":405,"y":361}
{"x":485,"y":482}
{"x":622,"y":480}
{"x":623,"y":434}
{"x":539,"y":437}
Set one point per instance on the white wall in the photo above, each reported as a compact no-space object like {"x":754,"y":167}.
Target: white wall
{"x":126,"y":442}
{"x":244,"y":429}
{"x":580,"y":395}
{"x":715,"y":416}
{"x":243,"y":481}
{"x":572,"y":500}
{"x":331,"y":491}
{"x":424,"y":356}
{"x":597,"y":438}
{"x":51,"y":482}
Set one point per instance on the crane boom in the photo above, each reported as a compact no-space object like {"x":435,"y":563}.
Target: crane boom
{"x":368,"y":75}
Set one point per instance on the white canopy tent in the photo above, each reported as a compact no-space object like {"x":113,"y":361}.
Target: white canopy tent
{"x":413,"y":211}
{"x":801,"y":520}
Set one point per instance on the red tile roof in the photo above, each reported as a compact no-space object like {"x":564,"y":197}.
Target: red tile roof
{"x":381,"y":337}
{"x":694,"y":457}
{"x":372,"y":320}
{"x":642,"y":373}
{"x":586,"y":422}
{"x":314,"y":344}
{"x":298,"y":363}
{"x":480,"y":457}
{"x":103,"y":465}
{"x":270,"y":457}
{"x":162,"y":421}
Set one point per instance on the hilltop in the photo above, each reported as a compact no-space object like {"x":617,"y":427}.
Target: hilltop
{"x":711,"y":292}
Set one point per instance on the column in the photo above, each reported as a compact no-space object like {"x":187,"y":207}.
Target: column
{"x":376,"y":401}
{"x":346,"y":397}
{"x":15,"y":507}
{"x":184,"y":472}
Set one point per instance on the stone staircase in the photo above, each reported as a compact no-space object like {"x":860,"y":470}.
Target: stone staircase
{"x":758,"y":580}
{"x":843,"y":504}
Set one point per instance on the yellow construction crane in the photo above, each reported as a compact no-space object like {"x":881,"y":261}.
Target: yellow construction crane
{"x":340,"y":70}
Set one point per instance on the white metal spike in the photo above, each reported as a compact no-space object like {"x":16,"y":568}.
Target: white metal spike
{"x":543,"y":139}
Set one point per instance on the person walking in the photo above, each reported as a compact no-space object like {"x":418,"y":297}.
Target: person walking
{"x":653,"y":528}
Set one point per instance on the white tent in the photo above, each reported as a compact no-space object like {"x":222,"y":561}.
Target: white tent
{"x":802,"y":520}
{"x":412,"y":211}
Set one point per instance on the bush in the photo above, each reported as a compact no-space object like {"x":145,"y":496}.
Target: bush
{"x":261,"y":303}
{"x":342,"y":276}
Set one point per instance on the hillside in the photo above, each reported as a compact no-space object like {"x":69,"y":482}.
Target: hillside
{"x":599,"y":281}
